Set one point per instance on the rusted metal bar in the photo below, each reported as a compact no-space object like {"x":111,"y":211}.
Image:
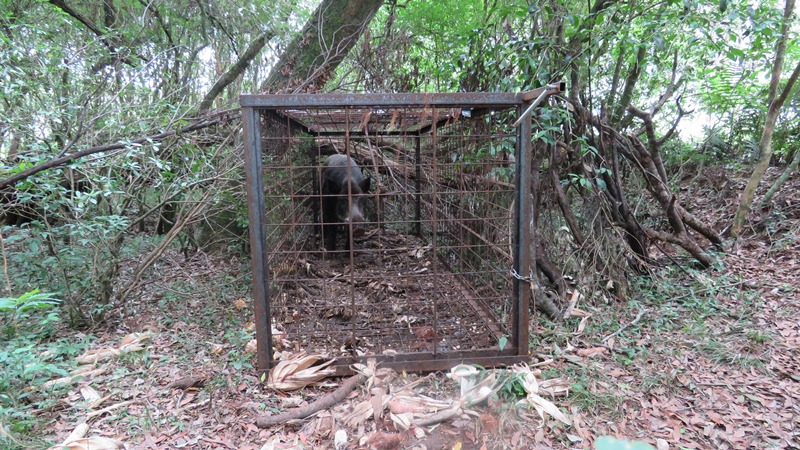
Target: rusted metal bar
{"x":428,"y":362}
{"x":523,"y":232}
{"x":435,"y":226}
{"x":550,"y":90}
{"x":258,"y":236}
{"x":535,"y":93}
{"x":385,"y":100}
{"x":417,"y":187}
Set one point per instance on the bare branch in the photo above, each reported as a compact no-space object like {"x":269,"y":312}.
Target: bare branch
{"x":674,"y":127}
{"x":630,"y":83}
{"x":222,"y":117}
{"x":652,"y":142}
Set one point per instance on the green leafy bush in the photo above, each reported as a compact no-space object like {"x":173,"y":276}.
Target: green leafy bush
{"x":29,"y":357}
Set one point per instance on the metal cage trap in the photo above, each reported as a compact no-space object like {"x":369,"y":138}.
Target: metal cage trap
{"x":424,"y":282}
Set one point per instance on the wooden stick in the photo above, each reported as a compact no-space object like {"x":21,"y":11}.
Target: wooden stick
{"x":638,"y":316}
{"x":321,"y":403}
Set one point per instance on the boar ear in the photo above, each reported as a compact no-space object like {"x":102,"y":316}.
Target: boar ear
{"x":365,"y":184}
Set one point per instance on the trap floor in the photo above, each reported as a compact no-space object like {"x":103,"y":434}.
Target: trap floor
{"x":394,"y":295}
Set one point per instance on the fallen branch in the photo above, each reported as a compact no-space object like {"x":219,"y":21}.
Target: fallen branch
{"x":633,"y":322}
{"x":76,"y":375}
{"x":439,"y":417}
{"x":191,"y":406}
{"x":321,"y":403}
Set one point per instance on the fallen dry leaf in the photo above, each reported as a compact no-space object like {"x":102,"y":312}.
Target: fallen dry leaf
{"x":300,"y":371}
{"x":489,"y":423}
{"x":589,"y":352}
{"x":89,"y":394}
{"x":77,"y":441}
{"x":384,"y":441}
{"x":94,"y":443}
{"x":544,"y":406}
{"x":361,"y":412}
{"x":130,"y":343}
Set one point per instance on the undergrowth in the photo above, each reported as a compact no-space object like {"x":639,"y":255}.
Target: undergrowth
{"x":30,"y":354}
{"x":683,"y":315}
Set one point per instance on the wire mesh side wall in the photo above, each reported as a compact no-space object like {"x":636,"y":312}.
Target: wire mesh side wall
{"x":470,"y":209}
{"x":425,"y":276}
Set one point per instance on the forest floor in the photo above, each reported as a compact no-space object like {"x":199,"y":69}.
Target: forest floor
{"x":712,"y":361}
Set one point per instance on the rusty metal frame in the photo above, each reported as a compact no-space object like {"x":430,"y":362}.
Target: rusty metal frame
{"x":258,"y":235}
{"x":484,"y":100}
{"x":523,"y":263}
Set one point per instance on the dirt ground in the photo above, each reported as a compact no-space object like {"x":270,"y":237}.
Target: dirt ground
{"x":711,"y":361}
{"x":391,"y":296}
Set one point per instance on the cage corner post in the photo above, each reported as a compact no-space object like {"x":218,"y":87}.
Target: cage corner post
{"x":258,"y":235}
{"x":523,"y":259}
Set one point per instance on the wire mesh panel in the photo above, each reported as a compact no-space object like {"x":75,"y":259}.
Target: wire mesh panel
{"x":387,"y":227}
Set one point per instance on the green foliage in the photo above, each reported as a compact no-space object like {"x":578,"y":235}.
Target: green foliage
{"x":29,"y":356}
{"x":716,"y":150}
{"x":27,"y":302}
{"x":502,"y":342}
{"x":73,"y":247}
{"x":511,"y":387}
{"x":758,"y":336}
{"x":718,"y":54}
{"x":786,"y":139}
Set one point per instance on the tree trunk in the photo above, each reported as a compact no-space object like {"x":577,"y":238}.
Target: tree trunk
{"x":630,"y":83}
{"x":782,"y":179}
{"x":765,"y":144}
{"x":311,"y":58}
{"x":235,"y":70}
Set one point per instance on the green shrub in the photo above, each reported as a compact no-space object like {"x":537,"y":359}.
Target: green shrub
{"x":30,"y":356}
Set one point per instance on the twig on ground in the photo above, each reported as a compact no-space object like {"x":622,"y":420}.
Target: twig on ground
{"x":633,"y":322}
{"x":110,"y":408}
{"x":191,"y":406}
{"x":439,"y":417}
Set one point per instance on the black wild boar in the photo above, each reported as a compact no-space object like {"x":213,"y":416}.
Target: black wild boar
{"x":341,"y":177}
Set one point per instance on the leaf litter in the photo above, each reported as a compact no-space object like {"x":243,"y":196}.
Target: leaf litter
{"x":150,"y":384}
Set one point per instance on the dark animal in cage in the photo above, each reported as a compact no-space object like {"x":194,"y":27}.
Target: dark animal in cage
{"x":432,"y":285}
{"x":344,"y":189}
